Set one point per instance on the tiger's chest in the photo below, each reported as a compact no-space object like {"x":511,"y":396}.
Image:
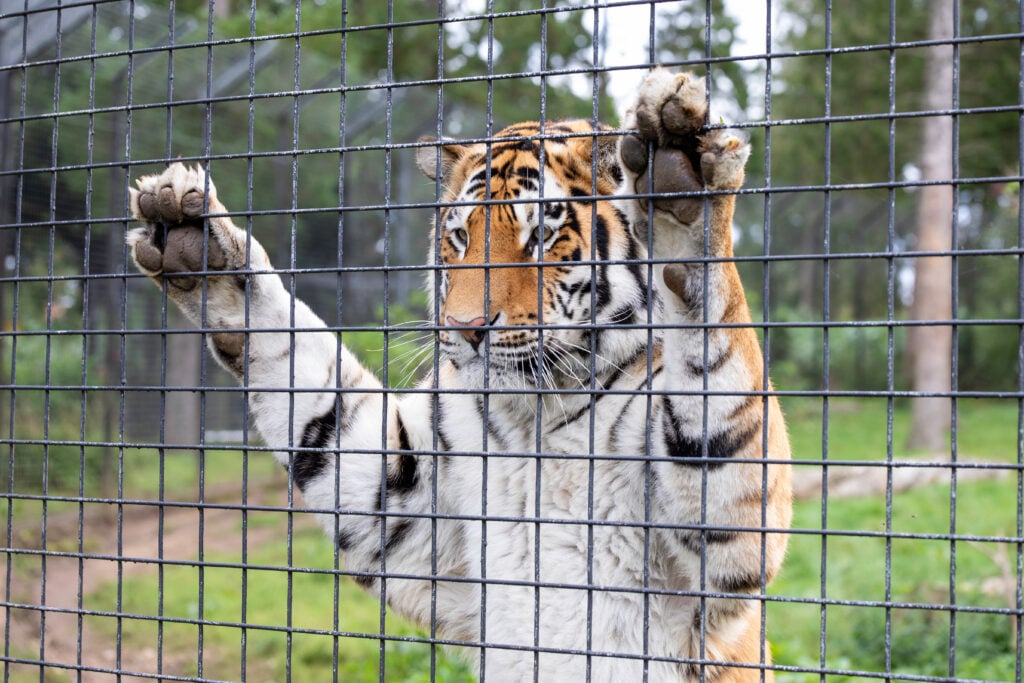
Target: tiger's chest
{"x":562,"y":502}
{"x":578,"y":458}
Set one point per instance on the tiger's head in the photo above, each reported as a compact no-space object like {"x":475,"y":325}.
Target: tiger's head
{"x":533,"y":269}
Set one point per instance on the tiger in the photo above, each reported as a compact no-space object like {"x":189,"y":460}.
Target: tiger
{"x":593,"y":482}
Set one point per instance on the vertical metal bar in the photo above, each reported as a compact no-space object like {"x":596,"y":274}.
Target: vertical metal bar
{"x":16,"y":298}
{"x":84,"y":376}
{"x":48,"y":321}
{"x":823,"y":559}
{"x":201,"y":445}
{"x":250,"y":143}
{"x":597,"y":59}
{"x":763,"y":653}
{"x":339,"y":284}
{"x":890,"y":333}
{"x":954,"y":364}
{"x":486,"y":408}
{"x":162,"y":431}
{"x":1018,"y":621}
{"x":122,"y":378}
{"x":541,"y":372}
{"x":705,"y":343}
{"x":385,"y":378}
{"x":649,"y":396}
{"x":766,"y":281}
{"x":294,"y":440}
{"x":435,"y":355}
{"x":766,"y":299}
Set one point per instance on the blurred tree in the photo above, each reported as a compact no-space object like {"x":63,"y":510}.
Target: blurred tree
{"x":397,"y":74}
{"x":851,"y":74}
{"x":931,"y":346}
{"x":306,"y":136}
{"x":683,"y":34}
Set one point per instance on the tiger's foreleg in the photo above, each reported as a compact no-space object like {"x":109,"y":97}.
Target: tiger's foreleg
{"x":348,"y":446}
{"x":722,"y":435}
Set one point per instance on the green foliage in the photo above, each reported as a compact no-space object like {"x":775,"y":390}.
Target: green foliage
{"x":47,"y":360}
{"x":475,"y":49}
{"x":854,"y":568}
{"x":870,"y":148}
{"x":408,"y":350}
{"x":681,"y":36}
{"x":920,"y":642}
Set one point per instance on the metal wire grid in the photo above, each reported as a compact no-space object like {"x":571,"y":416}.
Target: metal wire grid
{"x":63,"y":516}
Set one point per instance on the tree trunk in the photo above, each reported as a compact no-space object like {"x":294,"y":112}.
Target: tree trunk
{"x":930,"y":347}
{"x":184,"y":360}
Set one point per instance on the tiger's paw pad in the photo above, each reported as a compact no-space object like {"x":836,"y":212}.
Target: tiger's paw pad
{"x":671,"y":107}
{"x":175,"y":240}
{"x":723,"y":155}
{"x":172,"y":197}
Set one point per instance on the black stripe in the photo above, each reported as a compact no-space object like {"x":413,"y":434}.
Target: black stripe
{"x":404,"y":476}
{"x":692,"y":539}
{"x":620,"y":316}
{"x":632,"y":262}
{"x":740,"y":583}
{"x":528,"y":173}
{"x":320,"y":430}
{"x":345,"y":540}
{"x":697,"y":367}
{"x":615,"y":171}
{"x":601,"y":237}
{"x":364,"y":581}
{"x":613,"y":433}
{"x":442,"y":440}
{"x":317,"y":435}
{"x":607,"y":384}
{"x":403,"y":436}
{"x":579,"y":413}
{"x":398,"y":531}
{"x":690,"y":451}
{"x":308,"y":466}
{"x":602,"y":288}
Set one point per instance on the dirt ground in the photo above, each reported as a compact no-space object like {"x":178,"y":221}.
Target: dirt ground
{"x":74,"y":649}
{"x":109,"y":555}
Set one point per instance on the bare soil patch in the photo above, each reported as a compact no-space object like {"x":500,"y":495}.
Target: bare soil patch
{"x":75,"y":644}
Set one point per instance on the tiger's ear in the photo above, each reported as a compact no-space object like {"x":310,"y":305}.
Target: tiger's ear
{"x":607,"y":147}
{"x":438,"y":155}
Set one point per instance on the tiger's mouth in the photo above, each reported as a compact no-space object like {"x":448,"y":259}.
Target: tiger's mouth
{"x":552,"y":364}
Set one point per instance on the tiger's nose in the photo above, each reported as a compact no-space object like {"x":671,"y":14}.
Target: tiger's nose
{"x":473,"y":330}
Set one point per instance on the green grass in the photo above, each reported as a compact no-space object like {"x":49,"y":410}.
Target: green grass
{"x":141,"y":480}
{"x":857,"y":428}
{"x":182,"y":471}
{"x":842,"y":566}
{"x":845,"y":567}
{"x":274,"y":598}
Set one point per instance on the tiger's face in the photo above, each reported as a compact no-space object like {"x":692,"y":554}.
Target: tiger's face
{"x":522,"y":245}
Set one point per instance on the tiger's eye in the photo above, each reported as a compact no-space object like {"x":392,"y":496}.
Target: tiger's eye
{"x":548,"y":232}
{"x":461,"y":234}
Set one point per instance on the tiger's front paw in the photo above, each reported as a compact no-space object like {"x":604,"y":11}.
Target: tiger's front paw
{"x":176,"y":241}
{"x":670,"y":117}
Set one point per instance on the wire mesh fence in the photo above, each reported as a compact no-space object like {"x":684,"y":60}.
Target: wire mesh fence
{"x":535,"y":509}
